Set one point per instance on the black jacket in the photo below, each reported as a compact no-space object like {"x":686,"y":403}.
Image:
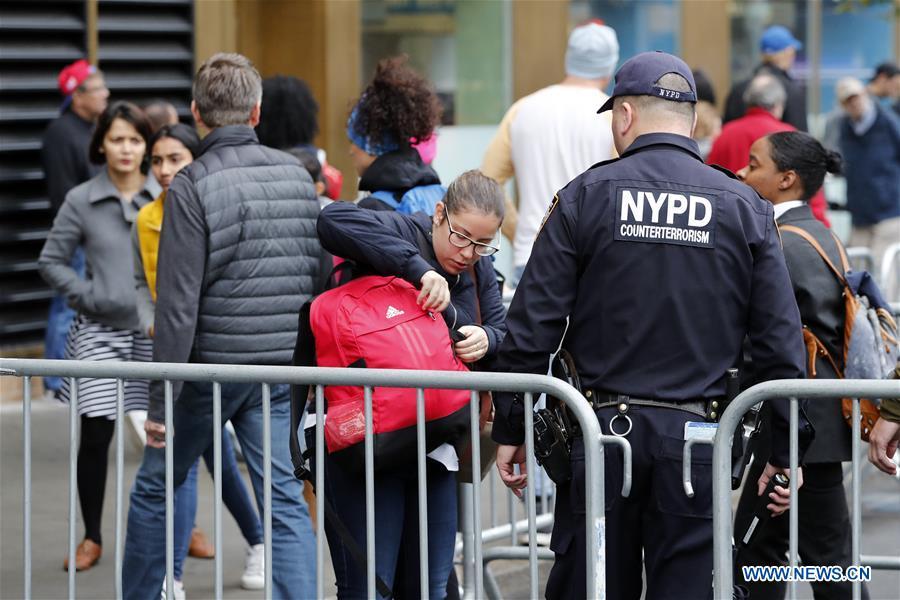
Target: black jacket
{"x":820,"y":299}
{"x":794,"y":107}
{"x":396,"y":172}
{"x":662,"y":266}
{"x":391,"y":243}
{"x":64,"y":155}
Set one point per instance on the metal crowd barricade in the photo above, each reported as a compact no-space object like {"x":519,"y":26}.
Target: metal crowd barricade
{"x":861,"y":259}
{"x":817,"y":391}
{"x":530,"y":385}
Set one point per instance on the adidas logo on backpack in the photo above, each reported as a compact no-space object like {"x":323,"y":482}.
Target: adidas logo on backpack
{"x":393,"y":312}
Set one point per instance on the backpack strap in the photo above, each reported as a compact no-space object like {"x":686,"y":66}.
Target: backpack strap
{"x":474,"y":277}
{"x":304,"y":356}
{"x":850,"y":301}
{"x":818,"y":248}
{"x":845,"y":262}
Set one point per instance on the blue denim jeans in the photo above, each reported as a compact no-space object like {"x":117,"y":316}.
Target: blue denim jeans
{"x":293,"y":542}
{"x":234,"y":496}
{"x":59,"y":320}
{"x":396,"y":527}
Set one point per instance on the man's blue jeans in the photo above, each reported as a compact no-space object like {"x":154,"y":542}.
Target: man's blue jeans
{"x":234,"y":497}
{"x":59,"y":320}
{"x":293,"y":542}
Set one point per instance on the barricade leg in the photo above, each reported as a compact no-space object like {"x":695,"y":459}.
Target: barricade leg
{"x":474,"y":417}
{"x":267,"y":487}
{"x":856,"y":499}
{"x":120,"y":480}
{"x":467,"y":527}
{"x":170,"y":495}
{"x":530,"y":500}
{"x":794,"y":509}
{"x":26,"y":485}
{"x":217,"y":486}
{"x":422,"y":485}
{"x":73,"y":479}
{"x":370,"y":494}
{"x":320,"y":492}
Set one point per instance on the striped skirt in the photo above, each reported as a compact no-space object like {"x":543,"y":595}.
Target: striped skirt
{"x":90,"y":340}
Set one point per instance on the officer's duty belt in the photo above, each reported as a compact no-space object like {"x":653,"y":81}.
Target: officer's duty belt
{"x":708,"y":410}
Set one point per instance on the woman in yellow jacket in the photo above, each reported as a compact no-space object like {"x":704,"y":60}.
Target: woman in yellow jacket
{"x":172,"y":148}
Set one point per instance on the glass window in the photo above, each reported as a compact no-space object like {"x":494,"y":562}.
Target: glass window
{"x":852,"y":42}
{"x":454,"y":43}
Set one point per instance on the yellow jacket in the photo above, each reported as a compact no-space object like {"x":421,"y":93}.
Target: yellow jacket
{"x":149,"y":224}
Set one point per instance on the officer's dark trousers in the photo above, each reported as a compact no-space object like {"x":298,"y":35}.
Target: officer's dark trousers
{"x":673,"y":532}
{"x":824,"y":530}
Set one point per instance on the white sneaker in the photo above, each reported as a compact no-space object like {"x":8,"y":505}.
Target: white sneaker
{"x":179,"y":591}
{"x":254,"y":577}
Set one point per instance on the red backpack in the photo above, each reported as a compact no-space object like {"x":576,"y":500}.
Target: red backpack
{"x":374,"y":322}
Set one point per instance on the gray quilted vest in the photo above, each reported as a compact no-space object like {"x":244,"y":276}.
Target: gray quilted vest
{"x":263,"y":253}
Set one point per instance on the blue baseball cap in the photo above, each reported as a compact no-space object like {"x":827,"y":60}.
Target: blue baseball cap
{"x":638,"y":76}
{"x":776,"y":38}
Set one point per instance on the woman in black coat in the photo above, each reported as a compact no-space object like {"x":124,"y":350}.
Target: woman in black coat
{"x":446,"y":256}
{"x":788,"y":169}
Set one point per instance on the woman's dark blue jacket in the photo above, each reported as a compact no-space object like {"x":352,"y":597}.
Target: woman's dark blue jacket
{"x":389,"y":243}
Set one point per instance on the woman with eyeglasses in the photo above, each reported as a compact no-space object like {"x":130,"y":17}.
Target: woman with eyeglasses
{"x":446,"y":256}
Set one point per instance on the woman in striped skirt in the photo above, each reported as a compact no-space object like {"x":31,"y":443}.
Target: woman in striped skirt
{"x":97,"y":215}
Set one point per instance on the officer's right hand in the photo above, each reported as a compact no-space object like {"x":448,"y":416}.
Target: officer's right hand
{"x":435,"y":294}
{"x":507,"y":458}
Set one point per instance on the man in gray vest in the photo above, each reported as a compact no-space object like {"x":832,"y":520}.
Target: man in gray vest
{"x":238,"y":257}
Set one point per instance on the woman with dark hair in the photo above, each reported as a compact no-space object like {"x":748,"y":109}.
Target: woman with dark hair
{"x":446,"y":255}
{"x":173,"y":148}
{"x":289,"y":121}
{"x":288,"y":115}
{"x":98,"y":215}
{"x":787,"y":169}
{"x":397,"y":110}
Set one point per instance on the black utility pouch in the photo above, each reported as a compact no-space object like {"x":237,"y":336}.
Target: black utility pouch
{"x":551,"y":448}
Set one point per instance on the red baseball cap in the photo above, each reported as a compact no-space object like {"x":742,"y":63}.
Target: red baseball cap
{"x":74,"y":75}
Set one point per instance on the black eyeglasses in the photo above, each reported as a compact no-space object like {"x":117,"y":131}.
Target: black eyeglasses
{"x":462,"y":241}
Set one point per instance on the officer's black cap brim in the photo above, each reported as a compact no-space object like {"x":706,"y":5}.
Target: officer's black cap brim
{"x":606,"y":105}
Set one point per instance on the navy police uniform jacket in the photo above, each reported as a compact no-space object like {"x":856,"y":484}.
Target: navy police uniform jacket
{"x":663,"y":265}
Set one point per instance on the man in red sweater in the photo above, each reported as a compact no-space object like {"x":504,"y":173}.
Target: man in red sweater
{"x":765,"y":98}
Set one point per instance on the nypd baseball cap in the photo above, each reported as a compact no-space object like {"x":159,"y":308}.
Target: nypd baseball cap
{"x":639,"y":75}
{"x":776,"y":38}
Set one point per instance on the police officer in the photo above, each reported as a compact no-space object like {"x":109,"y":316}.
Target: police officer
{"x":663,"y":265}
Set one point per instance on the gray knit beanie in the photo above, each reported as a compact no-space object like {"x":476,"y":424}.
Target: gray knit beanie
{"x":593,"y":51}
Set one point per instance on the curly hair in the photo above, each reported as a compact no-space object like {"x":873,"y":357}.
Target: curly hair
{"x":289,"y":113}
{"x":398,"y":105}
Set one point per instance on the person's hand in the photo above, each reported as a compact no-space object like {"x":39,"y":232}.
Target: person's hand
{"x":435,"y":294}
{"x":883,"y":442}
{"x":156,"y":434}
{"x":150,"y":332}
{"x":474,"y":346}
{"x":781,"y":497}
{"x":507,"y":458}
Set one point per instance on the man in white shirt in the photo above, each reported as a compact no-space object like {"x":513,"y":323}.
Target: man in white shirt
{"x":554,"y":134}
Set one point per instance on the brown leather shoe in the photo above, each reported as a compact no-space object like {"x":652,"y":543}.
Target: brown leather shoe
{"x":200,"y":546}
{"x":86,"y":555}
